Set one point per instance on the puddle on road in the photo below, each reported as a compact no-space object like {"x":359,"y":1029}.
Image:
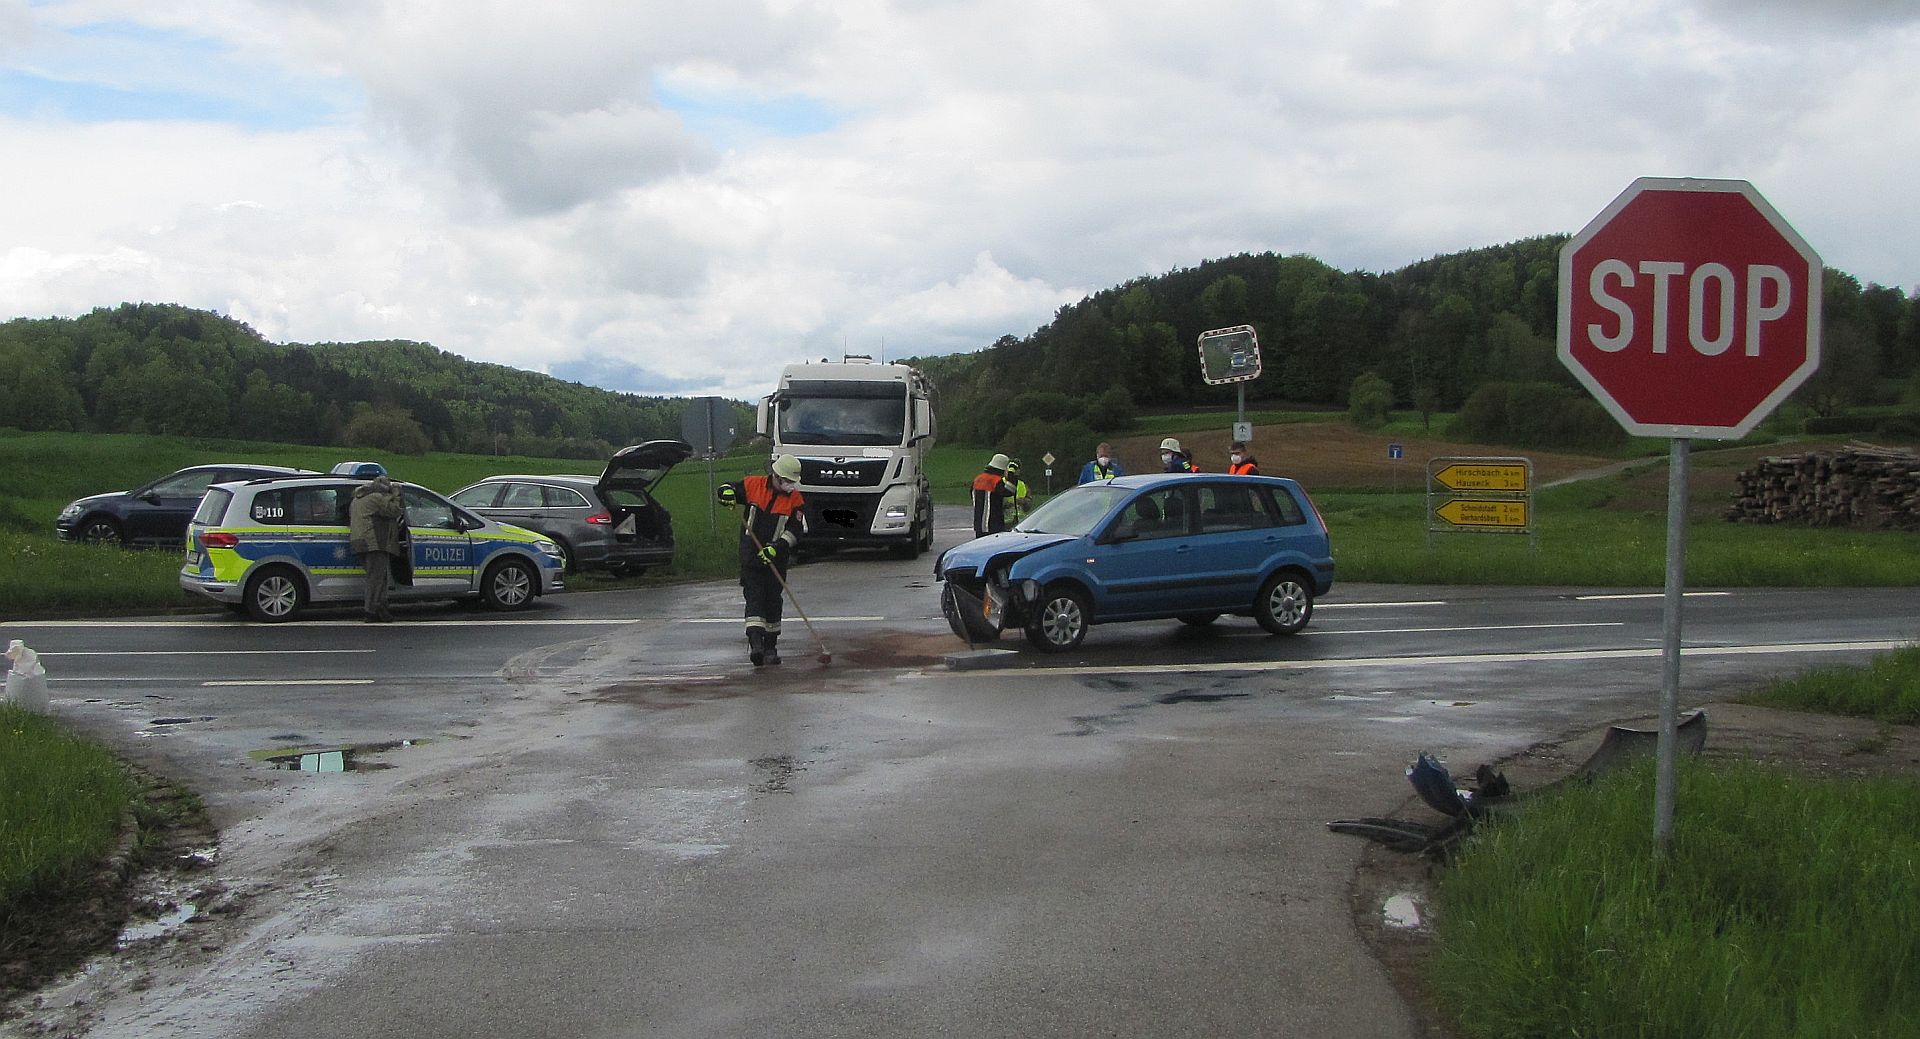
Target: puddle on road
{"x":1402,"y":912}
{"x":776,"y":773}
{"x":338,"y":759}
{"x":1184,"y":696}
{"x":159,"y":928}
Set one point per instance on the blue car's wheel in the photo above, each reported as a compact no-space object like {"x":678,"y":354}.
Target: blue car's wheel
{"x":1285,"y":603}
{"x":1059,"y":620}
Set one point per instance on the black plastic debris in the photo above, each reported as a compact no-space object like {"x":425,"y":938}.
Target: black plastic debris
{"x":1491,"y":792}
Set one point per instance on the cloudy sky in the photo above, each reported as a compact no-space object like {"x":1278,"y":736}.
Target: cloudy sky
{"x":676,"y":197}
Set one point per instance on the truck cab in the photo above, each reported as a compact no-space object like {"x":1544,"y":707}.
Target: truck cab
{"x":861,"y":431}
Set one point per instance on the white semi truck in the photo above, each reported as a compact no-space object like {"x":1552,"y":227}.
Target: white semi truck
{"x":862,"y":432}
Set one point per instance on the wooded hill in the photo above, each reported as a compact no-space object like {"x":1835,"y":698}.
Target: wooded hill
{"x":1471,"y":332}
{"x":1428,"y":336}
{"x":154,"y":368}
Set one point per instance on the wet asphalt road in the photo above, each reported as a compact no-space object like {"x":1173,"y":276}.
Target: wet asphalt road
{"x":619,"y":828}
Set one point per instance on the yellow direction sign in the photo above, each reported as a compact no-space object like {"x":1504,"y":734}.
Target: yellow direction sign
{"x":1482,"y":477}
{"x":1467,"y":512}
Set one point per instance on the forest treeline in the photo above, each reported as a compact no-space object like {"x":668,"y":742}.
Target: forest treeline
{"x":159,"y":368}
{"x":1470,"y":333}
{"x":1429,"y":337}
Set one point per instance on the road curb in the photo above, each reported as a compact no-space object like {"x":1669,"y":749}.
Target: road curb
{"x":982,"y":659}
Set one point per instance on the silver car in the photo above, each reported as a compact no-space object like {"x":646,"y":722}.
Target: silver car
{"x":608,"y":522}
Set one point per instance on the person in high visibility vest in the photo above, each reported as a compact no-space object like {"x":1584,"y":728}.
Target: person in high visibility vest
{"x":1240,"y":461}
{"x":1022,"y":501}
{"x":1103,"y":467}
{"x":1174,"y":459}
{"x":769,"y":532}
{"x":990,"y":493}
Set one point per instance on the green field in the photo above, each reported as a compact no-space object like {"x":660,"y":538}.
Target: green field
{"x":1586,"y":537}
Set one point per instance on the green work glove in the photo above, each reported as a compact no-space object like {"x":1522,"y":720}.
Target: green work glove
{"x":768,"y":553}
{"x":729,"y":497}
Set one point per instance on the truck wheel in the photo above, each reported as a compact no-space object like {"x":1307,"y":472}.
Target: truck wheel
{"x":912,"y":548}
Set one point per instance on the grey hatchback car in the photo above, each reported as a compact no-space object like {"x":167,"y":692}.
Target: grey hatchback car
{"x":610,"y":522}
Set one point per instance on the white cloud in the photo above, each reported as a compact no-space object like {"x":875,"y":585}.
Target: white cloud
{"x":690,"y":196}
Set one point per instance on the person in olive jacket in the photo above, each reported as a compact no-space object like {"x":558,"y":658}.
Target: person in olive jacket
{"x":373,"y":536}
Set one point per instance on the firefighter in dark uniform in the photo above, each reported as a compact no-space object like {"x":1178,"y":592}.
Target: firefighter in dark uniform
{"x":991,"y":489}
{"x":769,"y":532}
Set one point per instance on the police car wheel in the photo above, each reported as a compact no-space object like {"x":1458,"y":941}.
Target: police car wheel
{"x":509,"y":585}
{"x":274,"y":594}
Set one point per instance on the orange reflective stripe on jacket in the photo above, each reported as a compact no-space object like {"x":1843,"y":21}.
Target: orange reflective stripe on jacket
{"x":1244,"y":469}
{"x":987,"y":482}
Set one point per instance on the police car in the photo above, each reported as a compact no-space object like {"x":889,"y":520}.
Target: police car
{"x":269,"y":547}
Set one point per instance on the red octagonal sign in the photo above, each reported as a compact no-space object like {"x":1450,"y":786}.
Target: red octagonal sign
{"x":1689,"y":308}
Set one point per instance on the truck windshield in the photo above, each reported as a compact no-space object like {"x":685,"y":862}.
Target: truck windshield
{"x":851,"y":413}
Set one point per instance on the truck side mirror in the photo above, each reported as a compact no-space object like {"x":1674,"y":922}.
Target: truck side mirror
{"x":761,"y":418}
{"x":922,"y":419}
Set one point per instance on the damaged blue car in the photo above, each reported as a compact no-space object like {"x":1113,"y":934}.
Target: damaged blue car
{"x":1187,"y":546}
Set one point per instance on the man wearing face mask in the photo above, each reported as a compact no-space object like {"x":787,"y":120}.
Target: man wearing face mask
{"x":1103,"y":467}
{"x":1175,"y":460}
{"x":769,"y":532}
{"x":1240,"y":461}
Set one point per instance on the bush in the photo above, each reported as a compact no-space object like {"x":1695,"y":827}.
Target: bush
{"x":1842,"y":424}
{"x":1071,"y":443}
{"x":386,"y":429}
{"x":1113,"y":411}
{"x":1900,"y":427}
{"x":1370,"y":402}
{"x":1536,"y":414}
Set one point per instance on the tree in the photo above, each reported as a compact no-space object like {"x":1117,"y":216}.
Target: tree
{"x":388,"y":428}
{"x":1370,"y":401}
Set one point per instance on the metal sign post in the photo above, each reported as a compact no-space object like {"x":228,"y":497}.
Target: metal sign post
{"x":707,"y":427}
{"x":1689,"y":309}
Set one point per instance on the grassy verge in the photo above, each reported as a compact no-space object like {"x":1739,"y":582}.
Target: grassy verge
{"x":65,"y":798}
{"x":1886,"y":690}
{"x":1786,"y":907}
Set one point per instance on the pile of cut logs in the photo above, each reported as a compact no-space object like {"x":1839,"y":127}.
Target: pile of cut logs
{"x":1860,"y":485}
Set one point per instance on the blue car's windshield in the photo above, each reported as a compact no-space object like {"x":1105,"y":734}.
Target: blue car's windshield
{"x":1074,"y":512}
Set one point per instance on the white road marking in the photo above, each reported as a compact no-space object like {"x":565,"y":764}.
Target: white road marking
{"x":287,"y":681}
{"x":1776,"y":649}
{"x":403,"y":623}
{"x":1375,"y":605}
{"x":1472,"y":627}
{"x":1647,"y":595}
{"x":816,"y":620}
{"x":198,"y":652}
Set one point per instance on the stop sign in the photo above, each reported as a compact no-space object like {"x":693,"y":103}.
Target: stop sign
{"x":1689,"y":308}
